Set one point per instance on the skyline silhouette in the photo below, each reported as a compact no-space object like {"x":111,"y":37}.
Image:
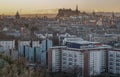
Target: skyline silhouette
{"x":51,"y":6}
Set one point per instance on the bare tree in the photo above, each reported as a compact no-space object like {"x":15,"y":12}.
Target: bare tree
{"x":75,"y":71}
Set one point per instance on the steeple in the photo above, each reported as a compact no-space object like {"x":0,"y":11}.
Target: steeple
{"x":93,"y":13}
{"x":113,"y":15}
{"x":17,"y":15}
{"x":76,"y":8}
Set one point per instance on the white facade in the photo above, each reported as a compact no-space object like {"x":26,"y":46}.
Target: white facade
{"x":8,"y":44}
{"x":56,"y":60}
{"x":62,"y":37}
{"x":40,"y":36}
{"x":97,"y":62}
{"x":48,"y":35}
{"x":36,"y":44}
{"x":23,"y":43}
{"x":27,"y":43}
{"x":114,"y":61}
{"x":65,"y":59}
{"x":68,"y":39}
{"x":43,"y":35}
{"x":71,"y":58}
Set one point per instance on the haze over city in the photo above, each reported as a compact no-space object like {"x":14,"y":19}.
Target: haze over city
{"x":51,"y":6}
{"x":59,"y":38}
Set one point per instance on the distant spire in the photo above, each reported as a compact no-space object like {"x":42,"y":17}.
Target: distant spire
{"x":93,"y":12}
{"x":113,"y":15}
{"x":76,"y":8}
{"x":17,"y":15}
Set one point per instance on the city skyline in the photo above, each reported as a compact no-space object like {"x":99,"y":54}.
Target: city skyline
{"x":51,"y":6}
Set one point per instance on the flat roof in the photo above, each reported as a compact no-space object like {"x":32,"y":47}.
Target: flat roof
{"x":94,"y":48}
{"x":83,"y":42}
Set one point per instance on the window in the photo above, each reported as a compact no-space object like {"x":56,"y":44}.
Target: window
{"x":64,"y":54}
{"x":111,"y":63}
{"x":70,"y":59}
{"x":75,"y":60}
{"x":111,"y":55}
{"x":64,"y":67}
{"x":117,"y":60}
{"x":111,"y":67}
{"x":64,"y":58}
{"x":111,"y":59}
{"x":75,"y":55}
{"x":117,"y":64}
{"x":70,"y":63}
{"x":117,"y":55}
{"x":64,"y":63}
{"x":117,"y":68}
{"x":70,"y":55}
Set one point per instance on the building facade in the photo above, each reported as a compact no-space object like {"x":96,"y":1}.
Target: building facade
{"x":114,"y":62}
{"x":7,"y":44}
{"x":35,"y":51}
{"x":88,"y":60}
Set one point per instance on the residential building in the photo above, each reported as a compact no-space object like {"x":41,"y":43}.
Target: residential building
{"x":89,"y":57}
{"x":7,"y":44}
{"x":35,"y":51}
{"x":114,"y":62}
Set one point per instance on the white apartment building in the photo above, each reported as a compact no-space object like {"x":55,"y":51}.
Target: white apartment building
{"x":97,"y":62}
{"x":7,"y":44}
{"x":28,"y":42}
{"x":69,"y":39}
{"x":61,"y":59}
{"x":90,"y":61}
{"x":64,"y":37}
{"x":114,"y":61}
{"x":24,"y":42}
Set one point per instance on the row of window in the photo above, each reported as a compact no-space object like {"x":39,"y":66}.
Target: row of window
{"x":112,"y":59}
{"x":111,"y":68}
{"x":112,"y":55}
{"x":117,"y":64}
{"x":70,"y":63}
{"x":6,"y":43}
{"x":70,"y":59}
{"x":70,"y":55}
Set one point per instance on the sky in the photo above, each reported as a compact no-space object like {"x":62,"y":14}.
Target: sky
{"x":51,"y":6}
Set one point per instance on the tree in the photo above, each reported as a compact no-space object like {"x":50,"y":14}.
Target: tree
{"x":19,"y":68}
{"x":34,"y":28}
{"x":74,"y":71}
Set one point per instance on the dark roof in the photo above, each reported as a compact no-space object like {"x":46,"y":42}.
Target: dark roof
{"x":5,"y":37}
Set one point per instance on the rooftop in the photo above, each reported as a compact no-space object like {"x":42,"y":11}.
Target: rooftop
{"x":83,"y":42}
{"x":96,"y":48}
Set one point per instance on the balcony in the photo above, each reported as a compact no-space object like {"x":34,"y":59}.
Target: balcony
{"x":64,"y":58}
{"x":117,"y":64}
{"x":111,"y":55}
{"x":70,"y":59}
{"x":64,"y":54}
{"x":117,"y":55}
{"x":111,"y":68}
{"x":64,"y":63}
{"x":117,"y":60}
{"x":111,"y":59}
{"x":70,"y":55}
{"x":111,"y":63}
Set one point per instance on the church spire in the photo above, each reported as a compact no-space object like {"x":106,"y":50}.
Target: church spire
{"x":17,"y":15}
{"x":76,"y":8}
{"x":113,"y":15}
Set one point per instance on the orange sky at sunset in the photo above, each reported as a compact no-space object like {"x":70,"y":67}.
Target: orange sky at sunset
{"x":51,"y":6}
